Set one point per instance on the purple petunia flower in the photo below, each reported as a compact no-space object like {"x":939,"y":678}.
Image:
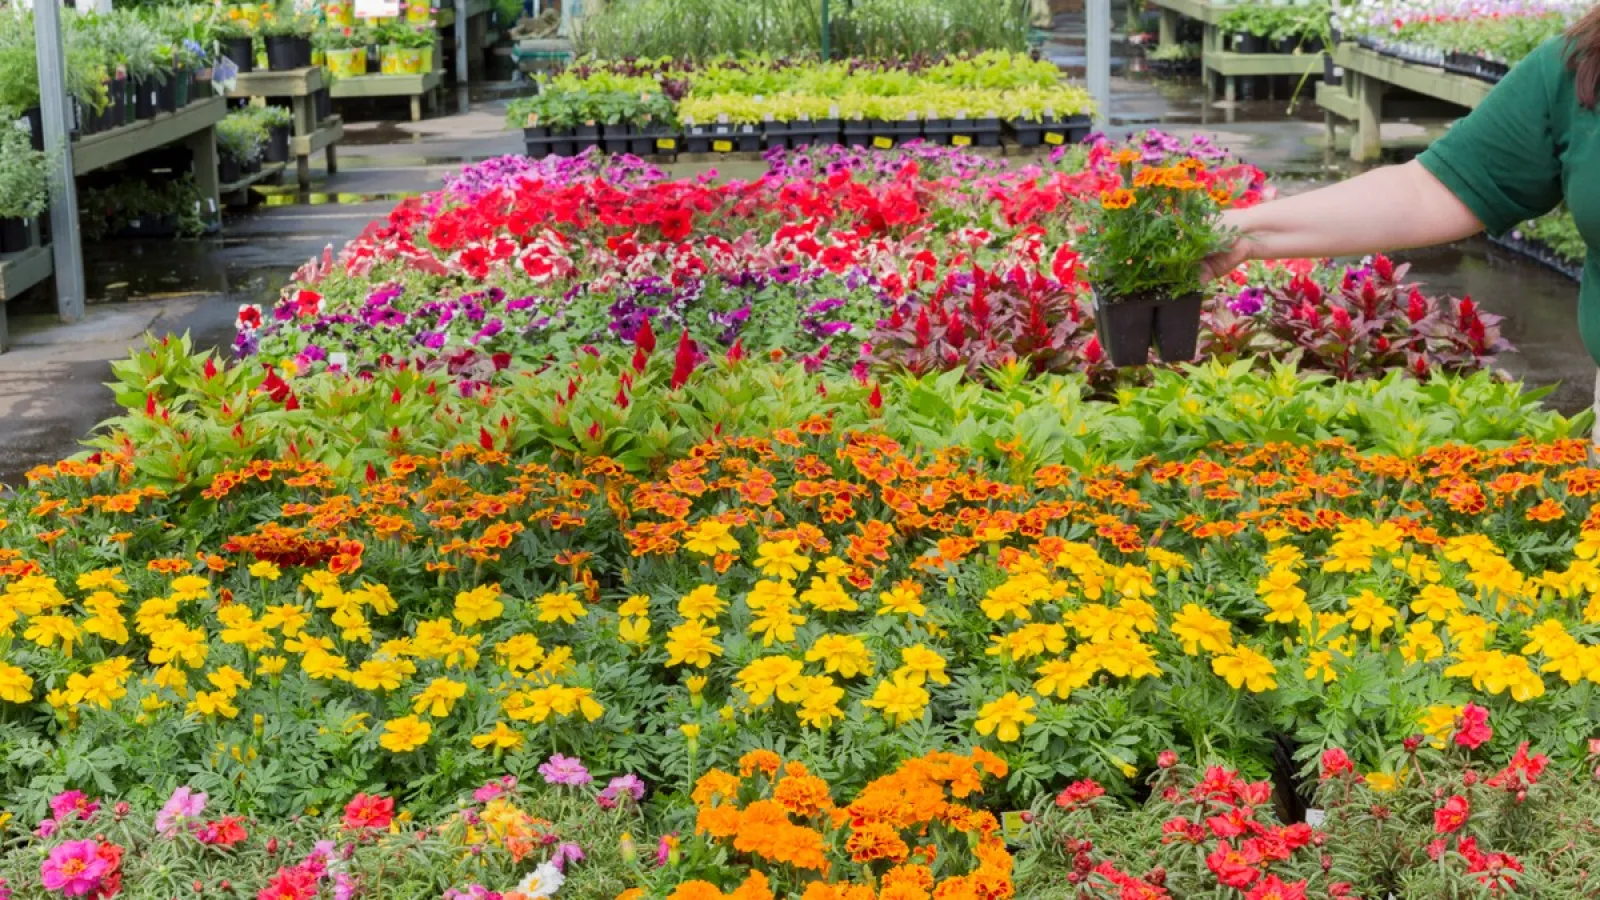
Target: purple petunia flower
{"x":629,"y":785}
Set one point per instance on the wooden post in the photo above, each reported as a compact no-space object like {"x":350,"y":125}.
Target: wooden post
{"x":1367,"y":143}
{"x":203,"y":146}
{"x":304,"y":124}
{"x":1169,"y":27}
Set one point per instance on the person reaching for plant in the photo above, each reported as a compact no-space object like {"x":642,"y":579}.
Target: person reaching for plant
{"x":1527,"y":148}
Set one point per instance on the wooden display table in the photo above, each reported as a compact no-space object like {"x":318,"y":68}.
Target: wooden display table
{"x":194,"y":125}
{"x":310,"y":135}
{"x":1371,"y":94}
{"x":417,"y":87}
{"x":1221,"y":68}
{"x":20,"y":271}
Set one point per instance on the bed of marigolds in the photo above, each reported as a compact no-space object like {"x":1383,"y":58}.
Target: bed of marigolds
{"x":833,"y":592}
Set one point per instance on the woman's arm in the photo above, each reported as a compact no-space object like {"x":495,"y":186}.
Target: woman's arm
{"x":1392,"y":208}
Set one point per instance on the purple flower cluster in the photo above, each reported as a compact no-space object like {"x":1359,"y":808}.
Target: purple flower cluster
{"x":621,"y":170}
{"x":933,"y":160}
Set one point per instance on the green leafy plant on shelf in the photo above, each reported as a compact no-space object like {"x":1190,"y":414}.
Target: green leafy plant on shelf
{"x":24,"y":177}
{"x":241,"y":137}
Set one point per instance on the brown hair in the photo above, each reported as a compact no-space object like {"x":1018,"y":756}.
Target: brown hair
{"x":1583,"y":56}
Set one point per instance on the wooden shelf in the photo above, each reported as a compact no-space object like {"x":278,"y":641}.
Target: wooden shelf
{"x":268,"y":170}
{"x":108,"y":147}
{"x":1429,"y":81}
{"x":1266,"y":64}
{"x":330,"y":132}
{"x":1194,"y":9}
{"x":293,"y":83}
{"x":20,"y":271}
{"x":1337,"y":100}
{"x":386,"y":85}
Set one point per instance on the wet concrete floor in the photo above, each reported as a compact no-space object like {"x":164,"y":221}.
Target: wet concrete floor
{"x":50,"y":384}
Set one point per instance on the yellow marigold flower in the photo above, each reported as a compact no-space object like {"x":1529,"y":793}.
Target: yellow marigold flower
{"x":377,"y":597}
{"x":289,"y":619}
{"x":1166,"y":560}
{"x":271,"y":665}
{"x":229,"y":679}
{"x":103,"y":580}
{"x":1134,"y":582}
{"x":1285,"y":600}
{"x":781,"y":559}
{"x":190,"y":587}
{"x":320,"y":664}
{"x":1060,"y":677}
{"x":1382,"y":782}
{"x":520,"y":652}
{"x":775,"y":623}
{"x":405,"y":734}
{"x":710,"y":538}
{"x":265,"y":571}
{"x":693,"y":643}
{"x":833,"y":567}
{"x":501,"y":737}
{"x":904,"y":599}
{"x":1285,"y":557}
{"x":1439,"y":723}
{"x":637,"y":605}
{"x":690,"y":731}
{"x":381,"y":674}
{"x":1436,"y":602}
{"x":634,"y":631}
{"x":828,"y":595}
{"x":482,"y":604}
{"x":438,"y":698}
{"x":48,"y":631}
{"x":843,"y":654}
{"x":922,"y":664}
{"x":819,"y":701}
{"x":899,"y":699}
{"x":1369,"y":612}
{"x":564,"y":607}
{"x":1243,"y":667}
{"x":1200,"y":629}
{"x":702,"y":603}
{"x":1421,"y":644}
{"x":771,"y":675}
{"x":1320,"y":665}
{"x":213,"y":703}
{"x":320,"y":582}
{"x":16,"y":686}
{"x":1005,"y":717}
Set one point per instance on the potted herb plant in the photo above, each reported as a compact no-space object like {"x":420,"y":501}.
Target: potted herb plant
{"x":287,"y":37}
{"x":345,"y":50}
{"x":241,"y":138}
{"x":278,"y":122}
{"x":24,"y":189}
{"x":405,"y":49}
{"x":1142,"y":243}
{"x":238,"y":40}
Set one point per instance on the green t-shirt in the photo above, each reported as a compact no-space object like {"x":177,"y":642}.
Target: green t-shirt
{"x":1528,"y":146}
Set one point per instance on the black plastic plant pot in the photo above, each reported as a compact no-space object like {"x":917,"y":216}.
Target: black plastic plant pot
{"x":14,"y":237}
{"x":1288,"y":44}
{"x":1125,"y":328}
{"x":1025,"y":132}
{"x":302,"y":51}
{"x":1312,"y":45}
{"x":283,"y":52}
{"x":146,"y":102}
{"x":167,"y":95}
{"x":883,"y":134}
{"x":908,"y":129}
{"x":857,"y":133}
{"x":697,"y":139}
{"x":34,"y":117}
{"x":986,"y":132}
{"x":1078,"y":128}
{"x":564,"y":142}
{"x":1177,"y":328}
{"x":250,"y":168}
{"x":534,"y":132}
{"x":776,"y":135}
{"x":641,"y":140}
{"x":1247,"y":43}
{"x":614,"y":138}
{"x":181,"y":83}
{"x":228,"y":170}
{"x":940,"y":131}
{"x":117,"y":109}
{"x":324,"y":104}
{"x":277,"y":149}
{"x":748,"y":139}
{"x":242,"y":51}
{"x":1330,"y":74}
{"x":824,"y":132}
{"x":663,"y":142}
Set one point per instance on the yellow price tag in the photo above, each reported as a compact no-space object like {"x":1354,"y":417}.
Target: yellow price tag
{"x":722,"y":146}
{"x":882,"y":143}
{"x":961,"y":140}
{"x":1054,"y":137}
{"x":1012,"y":826}
{"x":666,"y":143}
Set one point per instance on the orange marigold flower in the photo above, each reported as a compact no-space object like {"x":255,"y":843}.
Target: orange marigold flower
{"x":872,"y":841}
{"x":1121,"y":198}
{"x":696,"y":890}
{"x":718,"y":821}
{"x":1547,"y":511}
{"x":764,"y":761}
{"x":713,"y":785}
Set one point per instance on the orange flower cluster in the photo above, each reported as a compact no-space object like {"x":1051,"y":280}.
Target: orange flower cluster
{"x":895,"y":829}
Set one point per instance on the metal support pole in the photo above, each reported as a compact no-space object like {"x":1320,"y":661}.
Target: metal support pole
{"x":461,"y":43}
{"x":1098,"y":47}
{"x":63,"y":195}
{"x":826,"y":28}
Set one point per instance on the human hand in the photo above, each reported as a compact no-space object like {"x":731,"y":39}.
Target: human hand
{"x":1219,"y":264}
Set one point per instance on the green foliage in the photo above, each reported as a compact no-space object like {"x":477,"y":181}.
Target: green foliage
{"x":242,"y":136}
{"x":1148,"y":237}
{"x":1559,"y":232}
{"x":24,"y":177}
{"x":561,"y":109}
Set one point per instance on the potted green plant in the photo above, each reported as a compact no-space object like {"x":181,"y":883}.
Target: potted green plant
{"x":286,"y":35}
{"x":407,"y":49}
{"x":241,"y":138}
{"x":345,"y":50}
{"x":24,"y":189}
{"x":1142,"y":244}
{"x":237,"y":39}
{"x":278,"y":122}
